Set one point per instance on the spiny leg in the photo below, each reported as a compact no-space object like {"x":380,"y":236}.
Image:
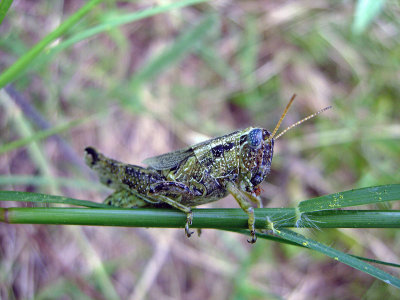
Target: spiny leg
{"x":254,"y":199}
{"x":159,"y":189}
{"x":253,"y":196}
{"x":177,"y":205}
{"x":172,"y":187}
{"x":245,"y":205}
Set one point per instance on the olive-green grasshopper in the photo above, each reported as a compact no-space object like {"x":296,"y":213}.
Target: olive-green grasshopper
{"x":236,"y":164}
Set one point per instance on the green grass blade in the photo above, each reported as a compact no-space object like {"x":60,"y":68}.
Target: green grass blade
{"x":339,"y":256}
{"x":114,"y":20}
{"x":44,"y":198}
{"x":375,"y":261}
{"x":350,"y":219}
{"x":103,"y":215}
{"x":228,"y":218}
{"x":4,"y":6}
{"x":37,"y":180}
{"x":234,"y":220}
{"x":366,"y":11}
{"x":278,"y":239}
{"x":24,"y":129}
{"x":22,"y":63}
{"x":266,"y":236}
{"x":40,"y":135}
{"x":369,"y":195}
{"x":174,"y":53}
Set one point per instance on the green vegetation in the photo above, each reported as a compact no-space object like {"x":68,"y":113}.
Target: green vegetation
{"x":136,"y":80}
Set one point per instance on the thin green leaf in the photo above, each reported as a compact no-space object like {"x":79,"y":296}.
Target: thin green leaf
{"x":229,"y":218}
{"x":24,"y":129}
{"x":40,"y":135}
{"x":114,"y":20}
{"x":44,"y":198}
{"x":366,"y":11}
{"x":4,"y":6}
{"x":369,"y":195}
{"x":350,"y":219}
{"x":278,"y":239}
{"x":175,"y":52}
{"x":22,"y":63}
{"x":36,"y":180}
{"x":266,"y":236}
{"x":385,"y":263}
{"x":339,"y":256}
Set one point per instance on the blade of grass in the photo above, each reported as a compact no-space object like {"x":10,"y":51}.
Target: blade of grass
{"x":111,"y":21}
{"x":175,"y":52}
{"x":278,"y":239}
{"x":41,"y":123}
{"x":350,"y":219}
{"x":229,"y":218}
{"x":36,"y":180}
{"x":116,"y":19}
{"x":41,"y":135}
{"x":369,"y":195}
{"x":22,"y":63}
{"x":339,"y":256}
{"x":129,"y":93}
{"x":44,"y":198}
{"x":99,"y":273}
{"x":328,"y":138}
{"x":4,"y":6}
{"x":23,"y":127}
{"x":366,"y":11}
{"x":247,"y":57}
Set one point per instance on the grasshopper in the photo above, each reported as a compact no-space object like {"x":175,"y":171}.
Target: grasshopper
{"x":236,"y":164}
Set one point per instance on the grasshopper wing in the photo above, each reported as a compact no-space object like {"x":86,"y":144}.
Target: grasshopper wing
{"x":168,"y":160}
{"x":173,"y":159}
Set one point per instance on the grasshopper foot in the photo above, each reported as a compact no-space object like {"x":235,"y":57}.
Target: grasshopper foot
{"x":189,"y":219}
{"x":253,"y":237}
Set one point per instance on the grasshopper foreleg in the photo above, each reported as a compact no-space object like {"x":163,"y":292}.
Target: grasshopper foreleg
{"x":245,"y":205}
{"x":255,"y":199}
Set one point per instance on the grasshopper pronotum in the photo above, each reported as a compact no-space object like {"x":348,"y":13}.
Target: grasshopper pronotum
{"x":236,"y":164}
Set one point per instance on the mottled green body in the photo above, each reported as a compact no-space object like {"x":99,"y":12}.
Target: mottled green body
{"x":235,"y":163}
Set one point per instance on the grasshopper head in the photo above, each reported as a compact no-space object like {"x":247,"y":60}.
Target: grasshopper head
{"x":256,"y":155}
{"x":257,"y":149}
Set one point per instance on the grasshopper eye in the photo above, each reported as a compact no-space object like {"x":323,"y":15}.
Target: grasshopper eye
{"x":255,"y":137}
{"x":266,"y":134}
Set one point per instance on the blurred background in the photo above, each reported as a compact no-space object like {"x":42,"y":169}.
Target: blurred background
{"x":169,"y":79}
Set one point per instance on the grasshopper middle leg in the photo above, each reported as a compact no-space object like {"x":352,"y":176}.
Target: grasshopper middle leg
{"x":185,"y":209}
{"x":158,"y":190}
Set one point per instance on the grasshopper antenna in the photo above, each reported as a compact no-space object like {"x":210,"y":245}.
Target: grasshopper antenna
{"x":282,"y":117}
{"x":301,"y":121}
